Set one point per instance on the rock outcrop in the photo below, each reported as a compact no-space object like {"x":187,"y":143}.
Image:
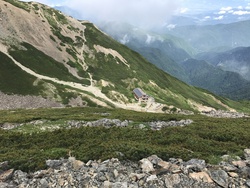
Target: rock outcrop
{"x":18,"y":101}
{"x":148,"y":172}
{"x":224,"y":114}
{"x":156,"y":125}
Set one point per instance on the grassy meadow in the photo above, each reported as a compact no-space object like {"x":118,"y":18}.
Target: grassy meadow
{"x":28,"y":146}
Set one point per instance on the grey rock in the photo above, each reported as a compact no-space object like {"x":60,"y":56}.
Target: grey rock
{"x":220,"y":177}
{"x":120,"y":185}
{"x":195,"y":165}
{"x":114,"y":173}
{"x":245,"y":172}
{"x":53,"y":163}
{"x":248,"y":183}
{"x":6,"y":175}
{"x":43,"y":183}
{"x":4,"y":166}
{"x":247,"y":154}
{"x":146,"y":165}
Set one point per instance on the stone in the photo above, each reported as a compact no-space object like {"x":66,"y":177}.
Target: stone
{"x":247,"y":154}
{"x":172,"y":180}
{"x":201,"y":176}
{"x":239,"y":164}
{"x":136,"y":177}
{"x":164,"y":164}
{"x":117,"y":174}
{"x":154,"y":159}
{"x":76,"y":163}
{"x":4,"y":166}
{"x":245,"y":172}
{"x":53,"y":163}
{"x":228,"y":167}
{"x":44,"y":183}
{"x":3,"y":185}
{"x":195,"y":165}
{"x":120,"y":185}
{"x":146,"y":166}
{"x":248,"y":183}
{"x":6,"y":175}
{"x":220,"y":177}
{"x":151,"y":178}
{"x":107,"y":184}
{"x":233,"y":174}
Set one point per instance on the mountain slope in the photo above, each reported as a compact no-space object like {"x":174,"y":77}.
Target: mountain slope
{"x":212,"y":78}
{"x":164,"y":51}
{"x":235,"y":60}
{"x":68,"y":59}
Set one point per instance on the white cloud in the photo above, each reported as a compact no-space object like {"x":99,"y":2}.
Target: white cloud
{"x":171,"y":26}
{"x":183,"y":10}
{"x":226,"y":8}
{"x":222,"y":12}
{"x":50,"y":3}
{"x":219,"y":18}
{"x":147,"y":13}
{"x":241,"y":12}
{"x":240,"y":7}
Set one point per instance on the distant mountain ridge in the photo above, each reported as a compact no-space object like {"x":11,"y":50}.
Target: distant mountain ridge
{"x":235,"y":60}
{"x":218,"y":37}
{"x":216,"y":80}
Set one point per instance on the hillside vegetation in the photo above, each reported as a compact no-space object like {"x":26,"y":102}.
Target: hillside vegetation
{"x":206,"y":138}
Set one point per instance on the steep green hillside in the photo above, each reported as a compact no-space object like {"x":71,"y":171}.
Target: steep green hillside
{"x":15,"y":81}
{"x":163,"y":50}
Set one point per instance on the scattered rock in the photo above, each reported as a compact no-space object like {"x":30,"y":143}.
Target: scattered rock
{"x":6,"y":175}
{"x":113,"y":173}
{"x":224,"y":114}
{"x":18,"y":101}
{"x":146,"y":166}
{"x":247,"y":154}
{"x":220,"y":177}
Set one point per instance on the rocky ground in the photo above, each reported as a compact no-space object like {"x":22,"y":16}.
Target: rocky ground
{"x":17,"y":101}
{"x":149,"y":172}
{"x":224,"y":114}
{"x":105,"y":122}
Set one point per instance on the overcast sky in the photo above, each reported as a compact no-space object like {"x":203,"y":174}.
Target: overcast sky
{"x":141,"y":12}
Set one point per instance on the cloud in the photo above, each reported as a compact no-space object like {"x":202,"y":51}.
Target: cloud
{"x":222,"y":12}
{"x":241,"y":12}
{"x":219,"y":18}
{"x":50,"y":3}
{"x":183,"y":10}
{"x":226,"y":8}
{"x":145,"y":13}
{"x":171,"y":26}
